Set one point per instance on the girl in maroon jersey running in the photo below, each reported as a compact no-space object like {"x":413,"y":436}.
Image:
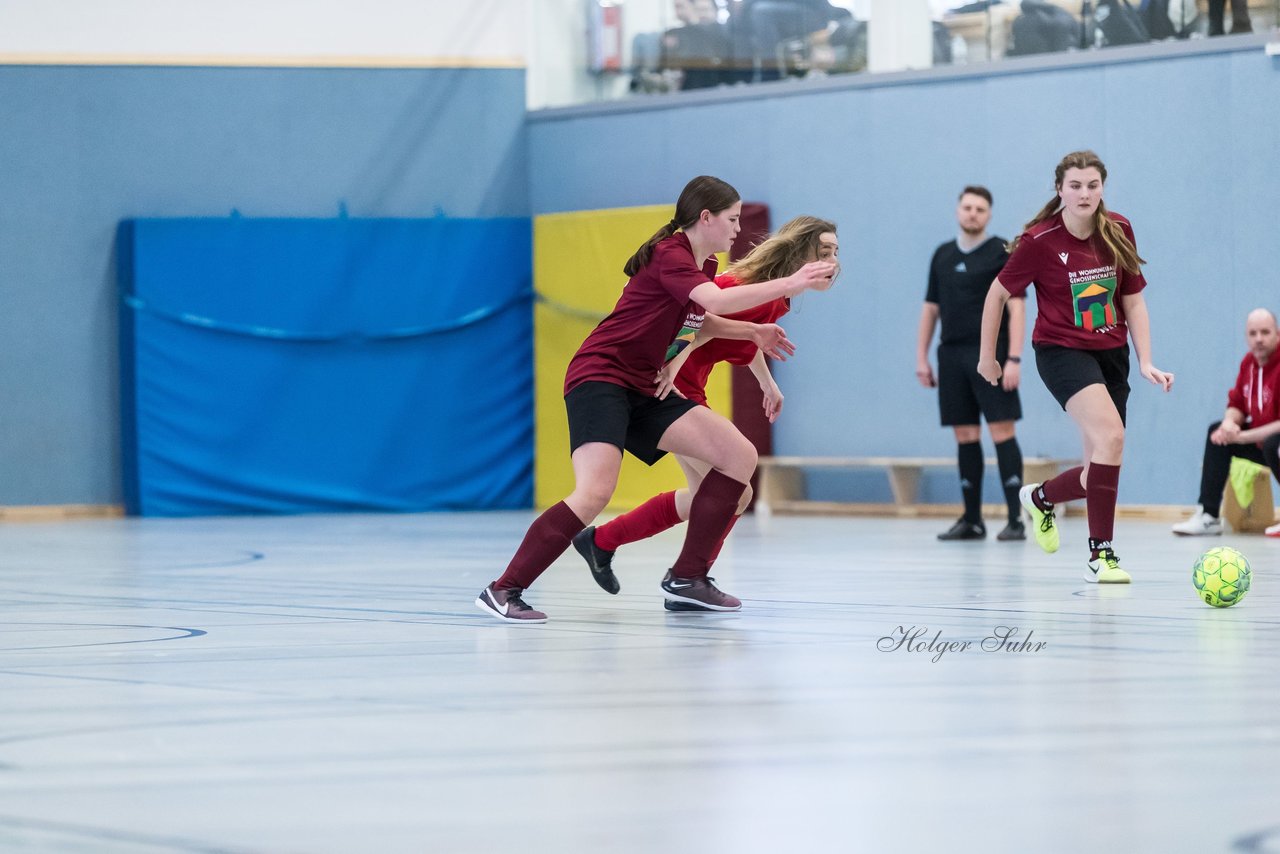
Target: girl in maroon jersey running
{"x":1081,"y":257}
{"x":611,"y":405}
{"x":800,"y":241}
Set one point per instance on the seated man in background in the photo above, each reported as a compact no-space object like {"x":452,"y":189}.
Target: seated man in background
{"x":696,"y":54}
{"x":1250,"y":428}
{"x":779,"y":38}
{"x":691,"y":12}
{"x":698,"y":44}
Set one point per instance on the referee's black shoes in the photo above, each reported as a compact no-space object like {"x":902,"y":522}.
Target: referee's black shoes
{"x":1015,"y":530}
{"x":963,"y":529}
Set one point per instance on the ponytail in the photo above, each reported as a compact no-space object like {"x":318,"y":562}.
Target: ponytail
{"x":703,"y":193}
{"x":1051,"y":207}
{"x":637,"y":262}
{"x":1122,"y":249}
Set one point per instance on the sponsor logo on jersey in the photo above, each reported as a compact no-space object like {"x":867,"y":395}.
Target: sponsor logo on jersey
{"x":1094,"y":304}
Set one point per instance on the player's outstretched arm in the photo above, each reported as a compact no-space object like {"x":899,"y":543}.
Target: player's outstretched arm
{"x":709,"y":295}
{"x":769,"y":337}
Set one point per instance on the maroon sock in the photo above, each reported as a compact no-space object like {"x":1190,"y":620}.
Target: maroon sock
{"x":714,"y":504}
{"x":1064,"y":487}
{"x":715,"y":554}
{"x":1103,"y":483}
{"x":546,"y":539}
{"x":652,"y":517}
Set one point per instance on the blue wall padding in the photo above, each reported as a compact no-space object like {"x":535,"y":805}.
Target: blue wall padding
{"x":290,"y":365}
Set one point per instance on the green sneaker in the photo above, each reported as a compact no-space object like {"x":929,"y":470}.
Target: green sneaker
{"x":1105,"y":569}
{"x":1042,"y":524}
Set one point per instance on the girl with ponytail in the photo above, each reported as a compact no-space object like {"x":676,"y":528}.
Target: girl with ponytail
{"x":612,"y":406}
{"x":1084,"y":262}
{"x":801,"y":240}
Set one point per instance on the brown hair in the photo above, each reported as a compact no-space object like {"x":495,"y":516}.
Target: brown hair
{"x":1123,"y":252}
{"x":794,"y":245}
{"x":977,"y":190}
{"x":703,"y":193}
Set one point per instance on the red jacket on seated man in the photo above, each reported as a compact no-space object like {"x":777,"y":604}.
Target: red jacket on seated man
{"x":1249,"y":429}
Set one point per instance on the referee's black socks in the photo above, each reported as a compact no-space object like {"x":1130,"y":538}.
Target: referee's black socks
{"x":970,"y":458}
{"x":1009,"y":458}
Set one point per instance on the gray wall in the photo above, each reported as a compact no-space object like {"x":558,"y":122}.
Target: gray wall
{"x":82,"y":148}
{"x":1190,"y":134}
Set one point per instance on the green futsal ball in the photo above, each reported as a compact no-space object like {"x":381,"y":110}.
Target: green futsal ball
{"x":1221,"y":576}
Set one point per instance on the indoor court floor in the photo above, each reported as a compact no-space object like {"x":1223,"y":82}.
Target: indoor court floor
{"x":325,"y":683}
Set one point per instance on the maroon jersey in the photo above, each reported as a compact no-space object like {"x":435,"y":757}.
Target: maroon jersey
{"x":1078,"y":286}
{"x":1256,"y":392}
{"x":693,"y":376}
{"x":629,"y":346}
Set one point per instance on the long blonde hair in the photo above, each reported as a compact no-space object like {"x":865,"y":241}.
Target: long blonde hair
{"x":781,"y":254}
{"x":1123,"y":252}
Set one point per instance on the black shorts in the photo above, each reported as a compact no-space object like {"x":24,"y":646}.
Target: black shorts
{"x":626,"y":419}
{"x":963,"y":394}
{"x":1066,"y":370}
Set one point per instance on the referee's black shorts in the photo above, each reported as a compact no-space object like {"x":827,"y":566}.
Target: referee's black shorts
{"x":963,"y":394}
{"x":1066,"y":370}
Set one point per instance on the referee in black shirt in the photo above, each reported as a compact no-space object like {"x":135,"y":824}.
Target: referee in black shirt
{"x":959,"y":276}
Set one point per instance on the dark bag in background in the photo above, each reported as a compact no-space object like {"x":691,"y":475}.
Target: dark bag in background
{"x":1120,"y":23}
{"x":1043,"y":27}
{"x":1170,"y":19}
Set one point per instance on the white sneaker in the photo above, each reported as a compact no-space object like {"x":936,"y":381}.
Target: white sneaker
{"x":1201,"y":523}
{"x":1273,"y":531}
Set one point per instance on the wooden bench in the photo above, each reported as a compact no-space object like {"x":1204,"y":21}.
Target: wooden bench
{"x":781,"y":482}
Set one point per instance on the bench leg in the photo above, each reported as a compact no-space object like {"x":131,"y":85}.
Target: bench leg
{"x":777,"y":484}
{"x":1039,"y":472}
{"x":904,"y":481}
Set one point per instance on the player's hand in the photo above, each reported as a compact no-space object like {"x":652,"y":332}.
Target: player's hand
{"x":826,"y":286}
{"x":666,"y":382}
{"x":772,"y":402}
{"x":815,"y":274}
{"x":1012,"y":376}
{"x":773,"y":341}
{"x":989,"y":370}
{"x":1157,"y":376}
{"x":924,"y":373}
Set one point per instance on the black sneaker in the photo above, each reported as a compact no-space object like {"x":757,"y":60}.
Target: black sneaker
{"x":1013,"y":531}
{"x":963,"y":529}
{"x":599,"y":560}
{"x":698,"y":594}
